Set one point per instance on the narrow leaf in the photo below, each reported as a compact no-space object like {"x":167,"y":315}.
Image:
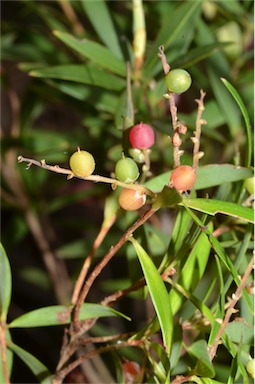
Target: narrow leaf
{"x":100,"y":17}
{"x":204,"y":366}
{"x":243,"y":109}
{"x":36,"y":366}
{"x":5,"y":284}
{"x":159,"y":294}
{"x":212,"y":207}
{"x":59,"y":314}
{"x":80,"y":73}
{"x":95,"y":52}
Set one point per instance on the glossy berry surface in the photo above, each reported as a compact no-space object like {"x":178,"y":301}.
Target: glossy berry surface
{"x":82,"y":163}
{"x":183,"y":177}
{"x":250,"y":185}
{"x":126,"y":170}
{"x":131,"y":199}
{"x":142,"y":136}
{"x":178,"y":81}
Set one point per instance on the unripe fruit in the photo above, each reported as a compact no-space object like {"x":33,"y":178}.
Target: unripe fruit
{"x":142,"y":136}
{"x":131,"y":199}
{"x":178,"y":80}
{"x":183,"y":177}
{"x":250,"y":367}
{"x":249,"y":185}
{"x":126,"y":170}
{"x":82,"y":163}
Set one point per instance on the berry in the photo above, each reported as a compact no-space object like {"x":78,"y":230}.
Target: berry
{"x":132,"y":372}
{"x":142,"y":136}
{"x":250,"y":367}
{"x":82,"y":163}
{"x":249,"y":185}
{"x":183,"y":177}
{"x":126,"y":170}
{"x":178,"y":81}
{"x":131,"y":199}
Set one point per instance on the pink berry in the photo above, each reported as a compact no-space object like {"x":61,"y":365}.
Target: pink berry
{"x":142,"y":136}
{"x":183,"y":177}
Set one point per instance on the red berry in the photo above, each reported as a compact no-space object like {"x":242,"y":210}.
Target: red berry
{"x":142,"y":136}
{"x":132,"y":372}
{"x":131,"y":199}
{"x":183,"y":177}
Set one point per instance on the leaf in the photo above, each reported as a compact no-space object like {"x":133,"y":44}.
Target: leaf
{"x":5,"y":284}
{"x":158,"y":293}
{"x":167,"y":198}
{"x":243,"y":109}
{"x":59,"y":314}
{"x":212,"y":207}
{"x":240,"y":332}
{"x":97,"y":53}
{"x":207,"y":176}
{"x":203,"y":366}
{"x":100,"y":17}
{"x":81,"y":73}
{"x":35,"y":365}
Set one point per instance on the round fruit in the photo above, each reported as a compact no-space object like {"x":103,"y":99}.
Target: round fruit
{"x":82,"y":163}
{"x":250,"y":367}
{"x":142,"y":136}
{"x":249,"y":185}
{"x":132,"y":371}
{"x":183,"y":177}
{"x":178,"y":81}
{"x":131,"y":199}
{"x":126,"y":170}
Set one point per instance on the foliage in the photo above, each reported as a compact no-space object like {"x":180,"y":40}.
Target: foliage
{"x":81,"y":74}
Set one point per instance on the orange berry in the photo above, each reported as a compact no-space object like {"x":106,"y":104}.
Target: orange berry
{"x":131,"y":199}
{"x":183,"y":177}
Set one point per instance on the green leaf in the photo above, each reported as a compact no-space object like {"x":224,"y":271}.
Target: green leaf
{"x":158,"y":293}
{"x":240,"y":332}
{"x":81,"y":73}
{"x":5,"y":284}
{"x":203,"y":366}
{"x":167,"y":198}
{"x":100,"y":17}
{"x":35,"y":365}
{"x":212,"y":207}
{"x":244,"y":111}
{"x":207,"y":176}
{"x":97,"y":53}
{"x":59,"y":314}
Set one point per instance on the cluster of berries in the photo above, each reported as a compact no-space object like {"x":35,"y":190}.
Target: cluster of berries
{"x":141,"y":137}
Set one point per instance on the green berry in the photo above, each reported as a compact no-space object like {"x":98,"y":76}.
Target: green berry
{"x":178,"y":81}
{"x":82,"y":163}
{"x":126,"y":170}
{"x":249,"y":185}
{"x":250,"y":367}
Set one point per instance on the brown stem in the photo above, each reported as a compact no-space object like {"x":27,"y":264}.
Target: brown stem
{"x":71,"y":16}
{"x":161,"y":54}
{"x":235,"y":297}
{"x":4,"y":352}
{"x":98,"y":269}
{"x":83,"y":273}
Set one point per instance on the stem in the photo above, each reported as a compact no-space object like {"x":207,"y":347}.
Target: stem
{"x":95,"y":178}
{"x":161,"y":54}
{"x":199,"y":122}
{"x":4,"y":352}
{"x":235,"y":297}
{"x":98,"y":269}
{"x":71,"y":16}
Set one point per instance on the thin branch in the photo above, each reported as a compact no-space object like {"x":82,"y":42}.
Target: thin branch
{"x":98,"y":269}
{"x":71,"y":16}
{"x":95,"y":178}
{"x":4,"y":352}
{"x":161,"y":54}
{"x":199,"y":122}
{"x":235,"y":298}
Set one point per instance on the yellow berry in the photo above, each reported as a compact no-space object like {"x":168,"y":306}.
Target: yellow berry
{"x":82,"y":163}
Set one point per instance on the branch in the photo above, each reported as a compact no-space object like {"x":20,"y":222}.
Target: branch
{"x":199,"y":122}
{"x":236,"y":296}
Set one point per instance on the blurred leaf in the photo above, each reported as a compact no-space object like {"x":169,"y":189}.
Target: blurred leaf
{"x":171,"y":34}
{"x":81,"y":73}
{"x":101,"y":19}
{"x":5,"y":284}
{"x":39,"y":369}
{"x":158,"y":293}
{"x":207,"y":176}
{"x":161,"y":366}
{"x":204,"y":367}
{"x":97,"y":53}
{"x":212,"y":207}
{"x":240,"y":332}
{"x":168,"y":197}
{"x":236,"y":96}
{"x":58,"y":315}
